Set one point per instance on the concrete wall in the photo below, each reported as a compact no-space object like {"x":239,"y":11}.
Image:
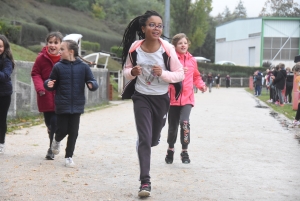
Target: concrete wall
{"x":24,"y":95}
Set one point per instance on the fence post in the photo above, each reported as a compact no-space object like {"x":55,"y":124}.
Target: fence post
{"x":251,"y":83}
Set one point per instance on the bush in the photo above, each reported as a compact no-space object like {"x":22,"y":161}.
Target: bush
{"x":32,"y":34}
{"x":90,"y":46}
{"x":12,"y":33}
{"x":35,"y":48}
{"x":102,"y":38}
{"x":233,"y":71}
{"x":117,"y":50}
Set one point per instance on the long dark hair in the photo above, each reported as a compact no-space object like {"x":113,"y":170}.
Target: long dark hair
{"x":7,"y":52}
{"x":135,"y":28}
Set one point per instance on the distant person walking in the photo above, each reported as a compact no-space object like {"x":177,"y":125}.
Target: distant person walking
{"x":151,"y":64}
{"x":289,"y":85}
{"x":7,"y":65}
{"x":180,"y":109}
{"x":41,"y":70}
{"x":210,"y":81}
{"x":69,"y":77}
{"x":227,"y":79}
{"x":217,"y":78}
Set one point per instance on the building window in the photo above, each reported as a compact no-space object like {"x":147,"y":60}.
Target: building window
{"x":280,"y":48}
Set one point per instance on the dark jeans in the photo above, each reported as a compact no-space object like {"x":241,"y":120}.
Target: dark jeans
{"x":4,"y":105}
{"x":50,"y":121}
{"x":288,"y":93}
{"x":179,"y":115}
{"x":298,"y":113}
{"x":150,"y":113}
{"x":68,"y":124}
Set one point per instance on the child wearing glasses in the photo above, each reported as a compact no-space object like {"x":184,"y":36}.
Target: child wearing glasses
{"x":150,"y":64}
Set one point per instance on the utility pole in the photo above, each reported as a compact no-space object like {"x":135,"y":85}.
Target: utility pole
{"x":167,"y":19}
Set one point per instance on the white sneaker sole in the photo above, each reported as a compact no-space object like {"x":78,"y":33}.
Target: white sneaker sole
{"x":144,"y":193}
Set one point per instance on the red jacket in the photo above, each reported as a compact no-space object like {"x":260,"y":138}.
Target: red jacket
{"x":40,"y":72}
{"x":192,"y":77}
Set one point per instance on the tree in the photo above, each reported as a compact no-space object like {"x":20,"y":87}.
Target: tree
{"x":191,"y":19}
{"x":280,"y":8}
{"x":240,"y":11}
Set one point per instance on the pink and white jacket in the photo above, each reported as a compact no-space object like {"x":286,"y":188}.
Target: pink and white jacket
{"x":192,"y":77}
{"x":174,"y":74}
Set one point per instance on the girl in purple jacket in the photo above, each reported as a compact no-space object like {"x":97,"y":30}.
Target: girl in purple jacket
{"x":180,"y":108}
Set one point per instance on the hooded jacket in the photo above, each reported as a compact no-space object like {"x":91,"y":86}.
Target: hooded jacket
{"x":5,"y":77}
{"x":168,"y":76}
{"x":279,"y":80}
{"x":192,"y":77}
{"x":71,"y":78}
{"x":41,"y":70}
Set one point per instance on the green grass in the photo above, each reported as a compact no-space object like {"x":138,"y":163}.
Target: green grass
{"x":22,"y":54}
{"x":286,"y":110}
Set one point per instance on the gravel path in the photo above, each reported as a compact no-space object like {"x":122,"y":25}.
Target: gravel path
{"x":238,"y":152}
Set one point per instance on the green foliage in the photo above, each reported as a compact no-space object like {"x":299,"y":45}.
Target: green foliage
{"x":105,"y":39}
{"x":93,"y":46}
{"x":223,"y":70}
{"x":98,"y":11}
{"x":22,"y":54}
{"x":35,"y":48}
{"x":11,"y":32}
{"x":191,"y":19}
{"x":32,"y":33}
{"x":117,"y":50}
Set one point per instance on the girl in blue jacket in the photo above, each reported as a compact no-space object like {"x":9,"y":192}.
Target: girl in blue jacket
{"x":68,"y":78}
{"x":6,"y":67}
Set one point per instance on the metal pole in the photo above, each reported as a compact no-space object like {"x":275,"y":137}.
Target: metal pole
{"x":167,"y":19}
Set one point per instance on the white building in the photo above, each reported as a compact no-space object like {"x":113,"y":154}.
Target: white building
{"x":252,"y":41}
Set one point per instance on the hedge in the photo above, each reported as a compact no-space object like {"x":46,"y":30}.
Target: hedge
{"x":32,"y":34}
{"x":117,"y":50}
{"x":102,"y":38}
{"x":233,"y":71}
{"x":12,"y":33}
{"x":86,"y":45}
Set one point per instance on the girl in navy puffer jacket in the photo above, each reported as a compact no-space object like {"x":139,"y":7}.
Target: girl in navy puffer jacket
{"x":68,"y":78}
{"x":6,"y":67}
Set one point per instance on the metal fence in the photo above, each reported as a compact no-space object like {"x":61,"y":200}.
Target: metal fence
{"x":236,"y":82}
{"x":24,"y":95}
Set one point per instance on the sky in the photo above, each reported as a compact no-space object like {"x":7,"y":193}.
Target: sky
{"x":253,"y":7}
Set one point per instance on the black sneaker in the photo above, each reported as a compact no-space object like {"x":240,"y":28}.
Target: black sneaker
{"x":145,"y":190}
{"x":169,"y":156}
{"x":50,"y":155}
{"x":185,"y":157}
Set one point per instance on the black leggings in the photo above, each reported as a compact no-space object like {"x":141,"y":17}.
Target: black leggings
{"x":179,"y":115}
{"x":298,"y":113}
{"x":68,"y":124}
{"x":50,"y":121}
{"x":4,"y":105}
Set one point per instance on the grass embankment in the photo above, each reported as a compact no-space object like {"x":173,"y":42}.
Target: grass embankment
{"x":286,"y":110}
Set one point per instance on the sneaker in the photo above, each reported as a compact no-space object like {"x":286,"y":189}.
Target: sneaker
{"x":69,"y":162}
{"x":55,"y":147}
{"x":270,"y":101}
{"x":49,"y":155}
{"x":185,"y":157}
{"x":296,"y":123}
{"x":169,"y":156}
{"x":2,"y":148}
{"x":276,"y":103}
{"x":145,"y":190}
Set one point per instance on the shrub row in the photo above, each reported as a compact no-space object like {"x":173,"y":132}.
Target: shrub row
{"x":223,"y":70}
{"x":104,"y":39}
{"x":93,"y":46}
{"x":117,"y":50}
